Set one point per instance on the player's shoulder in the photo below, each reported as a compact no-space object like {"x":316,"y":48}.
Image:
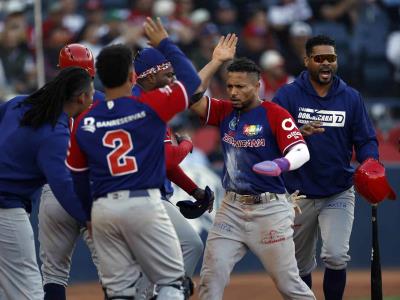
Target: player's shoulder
{"x":220,"y":102}
{"x":16,"y":101}
{"x":292,"y":87}
{"x":166,"y":90}
{"x":86,"y":113}
{"x":273,"y":107}
{"x":352,"y":92}
{"x":98,"y":96}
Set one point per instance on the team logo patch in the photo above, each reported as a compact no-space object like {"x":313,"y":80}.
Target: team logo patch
{"x":294,"y":134}
{"x":233,"y":123}
{"x":272,"y":237}
{"x":252,"y":130}
{"x":288,"y":124}
{"x":89,"y":124}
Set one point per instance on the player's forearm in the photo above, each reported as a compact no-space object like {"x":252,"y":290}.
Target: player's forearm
{"x":179,"y":177}
{"x":82,"y":189}
{"x":367,"y":150}
{"x":297,"y":156}
{"x":65,"y":195}
{"x":207,"y":72}
{"x":174,"y":154}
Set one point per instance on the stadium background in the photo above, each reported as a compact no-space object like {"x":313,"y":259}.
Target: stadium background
{"x":272,"y":33}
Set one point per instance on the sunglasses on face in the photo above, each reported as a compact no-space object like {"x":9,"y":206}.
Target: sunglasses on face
{"x":320,"y":58}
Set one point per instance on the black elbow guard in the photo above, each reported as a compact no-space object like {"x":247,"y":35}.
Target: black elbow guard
{"x":196,"y":97}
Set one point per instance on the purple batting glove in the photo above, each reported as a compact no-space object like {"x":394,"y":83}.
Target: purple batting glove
{"x":272,"y":168}
{"x":283,"y":164}
{"x":268,"y":168}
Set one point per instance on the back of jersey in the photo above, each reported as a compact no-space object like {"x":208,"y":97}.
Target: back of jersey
{"x":121,"y":141}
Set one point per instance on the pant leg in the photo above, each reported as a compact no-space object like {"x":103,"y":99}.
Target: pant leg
{"x":116,"y":262}
{"x":270,"y":237}
{"x":134,"y":234}
{"x":19,"y":273}
{"x":190,"y":241}
{"x":224,"y":248}
{"x":89,"y":243}
{"x":336,"y":223}
{"x":305,"y":236}
{"x":156,"y":245}
{"x":58,"y":233}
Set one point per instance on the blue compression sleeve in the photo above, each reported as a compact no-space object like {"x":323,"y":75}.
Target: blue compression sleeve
{"x":184,"y":69}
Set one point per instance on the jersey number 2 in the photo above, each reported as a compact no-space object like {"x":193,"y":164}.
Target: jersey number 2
{"x":118,"y":162}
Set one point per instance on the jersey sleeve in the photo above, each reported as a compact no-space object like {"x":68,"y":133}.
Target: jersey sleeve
{"x":167,"y":101}
{"x":179,"y":177}
{"x":283,"y":127}
{"x":217,"y":110}
{"x":76,"y":159}
{"x":50,"y":159}
{"x":364,"y":135}
{"x":168,"y":138}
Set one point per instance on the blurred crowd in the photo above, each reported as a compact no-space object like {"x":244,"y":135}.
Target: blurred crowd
{"x":271,"y":32}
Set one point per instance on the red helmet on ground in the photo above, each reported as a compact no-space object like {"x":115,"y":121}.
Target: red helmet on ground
{"x":77,"y":55}
{"x":370,"y":182}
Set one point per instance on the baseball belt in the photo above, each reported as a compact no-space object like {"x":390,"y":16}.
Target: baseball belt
{"x":123,"y":193}
{"x":254,"y":199}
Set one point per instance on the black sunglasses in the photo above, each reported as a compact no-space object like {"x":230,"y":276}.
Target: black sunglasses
{"x":320,"y":58}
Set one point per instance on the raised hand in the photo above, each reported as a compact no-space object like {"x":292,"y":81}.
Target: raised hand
{"x":226,"y":48}
{"x":182,"y":137}
{"x":311,"y":128}
{"x":206,"y":197}
{"x":154,"y":31}
{"x":294,"y":199}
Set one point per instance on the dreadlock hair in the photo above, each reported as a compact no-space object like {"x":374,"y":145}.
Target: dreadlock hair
{"x":47,"y":103}
{"x":245,"y":65}
{"x":319,"y":40}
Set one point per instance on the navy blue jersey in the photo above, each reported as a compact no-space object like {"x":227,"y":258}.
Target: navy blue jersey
{"x":265,"y":132}
{"x":121,"y":141}
{"x":98,"y":96}
{"x":346,"y":122}
{"x":31,"y":157}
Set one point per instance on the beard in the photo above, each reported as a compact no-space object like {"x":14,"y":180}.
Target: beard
{"x":323,"y":75}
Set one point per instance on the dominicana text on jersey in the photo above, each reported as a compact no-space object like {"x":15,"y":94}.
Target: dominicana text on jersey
{"x":331,"y":118}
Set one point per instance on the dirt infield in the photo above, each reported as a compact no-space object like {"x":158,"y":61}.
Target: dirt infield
{"x":259,"y":286}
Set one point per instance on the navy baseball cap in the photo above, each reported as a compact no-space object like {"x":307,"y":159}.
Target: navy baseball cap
{"x":149,"y":61}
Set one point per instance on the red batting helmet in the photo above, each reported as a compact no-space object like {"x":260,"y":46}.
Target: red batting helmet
{"x":77,"y":55}
{"x":371,"y":183}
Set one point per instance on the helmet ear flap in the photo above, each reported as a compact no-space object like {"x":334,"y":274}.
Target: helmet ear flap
{"x":77,"y":55}
{"x":370,"y":182}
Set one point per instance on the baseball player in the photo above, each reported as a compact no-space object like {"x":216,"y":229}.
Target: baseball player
{"x":58,"y":231}
{"x":333,"y":119}
{"x":255,"y":213}
{"x":33,"y":147}
{"x":154,"y":71}
{"x":121,"y":142}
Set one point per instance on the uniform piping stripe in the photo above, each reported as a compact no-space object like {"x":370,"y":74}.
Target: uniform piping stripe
{"x":184,"y":93}
{"x":208,"y":109}
{"x":292,"y":144}
{"x":75,"y":169}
